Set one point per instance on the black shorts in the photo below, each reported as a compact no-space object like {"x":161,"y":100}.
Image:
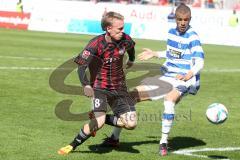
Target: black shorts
{"x":119,"y":101}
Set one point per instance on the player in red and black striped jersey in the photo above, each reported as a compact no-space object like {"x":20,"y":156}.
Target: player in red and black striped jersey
{"x":104,"y":57}
{"x":105,"y":61}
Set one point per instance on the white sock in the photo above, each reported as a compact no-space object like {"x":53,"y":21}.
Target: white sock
{"x":166,"y":127}
{"x":164,"y":138}
{"x":116,"y":132}
{"x":167,"y":121}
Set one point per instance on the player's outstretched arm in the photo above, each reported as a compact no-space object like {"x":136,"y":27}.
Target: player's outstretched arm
{"x":147,"y":54}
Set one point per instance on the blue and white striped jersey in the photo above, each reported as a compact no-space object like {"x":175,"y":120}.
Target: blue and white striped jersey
{"x":184,"y":53}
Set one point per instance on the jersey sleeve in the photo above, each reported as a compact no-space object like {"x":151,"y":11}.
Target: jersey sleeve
{"x":130,"y":47}
{"x":84,"y":59}
{"x":198,"y":54}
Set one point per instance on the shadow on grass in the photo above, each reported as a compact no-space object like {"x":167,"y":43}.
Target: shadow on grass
{"x":175,"y":143}
{"x":217,"y":157}
{"x":124,"y":147}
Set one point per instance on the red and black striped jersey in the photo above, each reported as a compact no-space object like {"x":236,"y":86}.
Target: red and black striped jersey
{"x":105,"y":61}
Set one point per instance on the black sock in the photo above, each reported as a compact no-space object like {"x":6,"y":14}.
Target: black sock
{"x":111,"y":120}
{"x":79,"y":139}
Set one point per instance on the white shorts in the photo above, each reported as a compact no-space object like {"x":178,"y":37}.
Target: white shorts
{"x":157,"y":90}
{"x":184,"y":87}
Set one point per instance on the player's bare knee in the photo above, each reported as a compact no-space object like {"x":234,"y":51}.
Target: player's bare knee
{"x":173,"y":96}
{"x":101,"y":124}
{"x":97,"y":122}
{"x":95,"y":125}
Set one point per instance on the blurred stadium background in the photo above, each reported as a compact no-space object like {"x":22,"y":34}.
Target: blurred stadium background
{"x":215,"y":21}
{"x":38,"y":39}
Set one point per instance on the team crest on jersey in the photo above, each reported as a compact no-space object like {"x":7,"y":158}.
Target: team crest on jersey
{"x":121,"y":51}
{"x":85,"y":54}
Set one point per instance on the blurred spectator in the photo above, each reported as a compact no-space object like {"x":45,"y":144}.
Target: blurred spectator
{"x":237,"y":6}
{"x":124,"y":1}
{"x":151,"y":2}
{"x":170,"y":1}
{"x":171,"y":16}
{"x":233,"y":20}
{"x":19,"y":6}
{"x":187,"y":2}
{"x":163,"y":2}
{"x":178,"y":2}
{"x":137,"y":1}
{"x":209,"y":4}
{"x":219,"y":4}
{"x":197,"y":3}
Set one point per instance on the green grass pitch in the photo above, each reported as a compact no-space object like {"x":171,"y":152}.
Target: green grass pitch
{"x":30,"y":129}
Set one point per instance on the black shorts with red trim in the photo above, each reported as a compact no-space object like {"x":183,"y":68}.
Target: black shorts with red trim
{"x":119,"y":101}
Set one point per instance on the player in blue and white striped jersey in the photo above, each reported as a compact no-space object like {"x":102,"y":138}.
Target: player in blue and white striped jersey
{"x":184,"y":57}
{"x":184,"y":61}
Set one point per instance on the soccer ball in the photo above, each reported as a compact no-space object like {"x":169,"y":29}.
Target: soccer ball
{"x":217,"y":113}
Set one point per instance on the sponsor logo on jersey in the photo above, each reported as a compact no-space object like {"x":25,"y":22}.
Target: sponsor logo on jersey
{"x":175,"y":54}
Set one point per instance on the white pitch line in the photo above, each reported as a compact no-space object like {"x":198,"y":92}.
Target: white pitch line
{"x":33,"y":68}
{"x":234,"y":70}
{"x":213,"y":70}
{"x":189,"y":152}
{"x":216,"y":70}
{"x":33,"y":58}
{"x":26,"y":68}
